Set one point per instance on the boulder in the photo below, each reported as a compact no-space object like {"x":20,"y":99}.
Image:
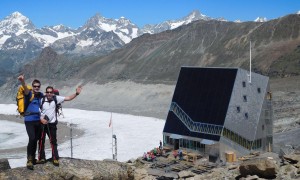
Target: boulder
{"x":292,"y":158}
{"x":142,"y":174}
{"x":288,"y":172}
{"x":4,"y":164}
{"x":264,"y":168}
{"x":185,"y":174}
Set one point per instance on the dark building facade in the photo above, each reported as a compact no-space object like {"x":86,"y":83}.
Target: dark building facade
{"x":214,"y":110}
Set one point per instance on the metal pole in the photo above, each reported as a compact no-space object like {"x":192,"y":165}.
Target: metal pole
{"x":112,"y":136}
{"x":71,"y":137}
{"x":250,"y":64}
{"x":116,"y":148}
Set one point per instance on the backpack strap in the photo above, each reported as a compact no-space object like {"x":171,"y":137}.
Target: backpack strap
{"x":56,"y":110}
{"x":32,"y":96}
{"x":28,"y":101}
{"x":43,"y":101}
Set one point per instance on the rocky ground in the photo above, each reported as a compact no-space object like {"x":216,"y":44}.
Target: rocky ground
{"x":70,"y":169}
{"x":255,"y":166}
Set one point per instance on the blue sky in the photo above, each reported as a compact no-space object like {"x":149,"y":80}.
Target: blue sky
{"x":75,"y":13}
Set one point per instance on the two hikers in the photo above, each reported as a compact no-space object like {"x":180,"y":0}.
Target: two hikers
{"x":40,"y":111}
{"x":49,"y":118}
{"x":32,"y":117}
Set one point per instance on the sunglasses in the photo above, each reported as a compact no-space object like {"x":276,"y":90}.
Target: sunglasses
{"x":36,"y":86}
{"x":49,"y":92}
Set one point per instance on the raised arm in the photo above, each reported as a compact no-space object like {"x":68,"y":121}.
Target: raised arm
{"x":71,"y":97}
{"x":21,"y":78}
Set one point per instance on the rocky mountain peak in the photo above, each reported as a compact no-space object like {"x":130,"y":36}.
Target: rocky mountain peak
{"x":172,"y":24}
{"x":61,"y":28}
{"x":195,"y":15}
{"x":17,"y":15}
{"x":16,"y":22}
{"x":98,"y":22}
{"x":260,"y":19}
{"x":123,"y":21}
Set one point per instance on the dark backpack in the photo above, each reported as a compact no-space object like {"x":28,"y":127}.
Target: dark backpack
{"x":58,"y":106}
{"x":56,"y":92}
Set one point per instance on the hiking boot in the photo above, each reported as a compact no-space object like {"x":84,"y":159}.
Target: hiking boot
{"x":55,"y":162}
{"x":29,"y":163}
{"x":34,"y":161}
{"x":41,"y":161}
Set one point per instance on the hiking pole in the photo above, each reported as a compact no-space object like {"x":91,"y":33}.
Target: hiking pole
{"x":50,"y":137}
{"x":52,"y":147}
{"x":41,"y":140}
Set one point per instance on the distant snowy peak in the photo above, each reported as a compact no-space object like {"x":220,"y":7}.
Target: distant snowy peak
{"x":260,"y":19}
{"x":298,"y":12}
{"x":195,"y":15}
{"x":15,"y":23}
{"x":97,"y":22}
{"x":17,"y":32}
{"x":124,"y":22}
{"x":221,"y":19}
{"x":123,"y":27}
{"x":106,"y":24}
{"x":172,"y":24}
{"x":61,"y":28}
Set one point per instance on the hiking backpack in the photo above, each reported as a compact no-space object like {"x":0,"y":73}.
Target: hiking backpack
{"x":58,"y":106}
{"x":21,"y":103}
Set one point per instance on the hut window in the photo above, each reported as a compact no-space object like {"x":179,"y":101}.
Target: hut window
{"x":258,"y":90}
{"x":244,"y":84}
{"x":245,"y":98}
{"x":246,"y":115}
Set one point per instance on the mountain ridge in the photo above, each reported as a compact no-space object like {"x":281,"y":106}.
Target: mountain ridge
{"x":205,"y":43}
{"x":21,"y":41}
{"x":201,"y":43}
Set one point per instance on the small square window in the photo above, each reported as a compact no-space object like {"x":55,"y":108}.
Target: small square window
{"x":246,"y":115}
{"x":244,"y":84}
{"x":238,"y":109}
{"x":245,"y":98}
{"x":258,"y":90}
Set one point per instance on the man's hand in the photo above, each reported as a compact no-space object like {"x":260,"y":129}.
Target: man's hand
{"x":71,"y":97}
{"x":21,"y":78}
{"x":78,"y":89}
{"x":44,"y":121}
